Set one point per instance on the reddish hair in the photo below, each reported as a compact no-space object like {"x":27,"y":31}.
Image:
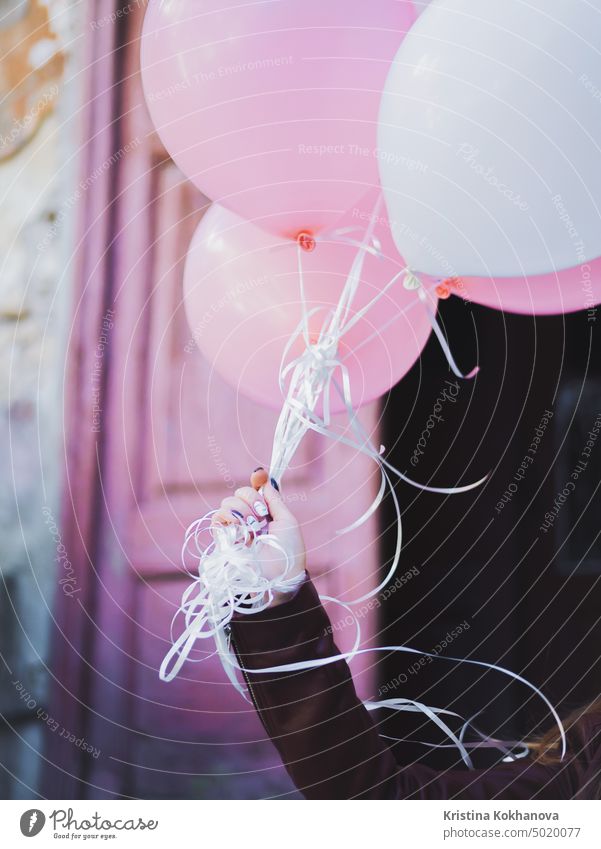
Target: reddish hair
{"x":546,"y":749}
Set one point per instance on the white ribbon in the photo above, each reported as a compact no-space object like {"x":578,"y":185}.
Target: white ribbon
{"x":229,"y":580}
{"x":413,"y":283}
{"x":408,"y":704}
{"x":228,"y":575}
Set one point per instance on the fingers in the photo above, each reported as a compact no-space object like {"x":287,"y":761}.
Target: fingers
{"x":253,"y":508}
{"x":273,"y":499}
{"x":254,"y":502}
{"x":239,"y":510}
{"x":277,"y":508}
{"x":235,"y":508}
{"x":258,"y":478}
{"x":223,"y":517}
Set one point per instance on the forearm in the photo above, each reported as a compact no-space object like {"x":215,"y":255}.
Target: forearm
{"x":325,"y":736}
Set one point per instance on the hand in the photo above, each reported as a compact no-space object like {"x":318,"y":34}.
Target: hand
{"x":248,"y":502}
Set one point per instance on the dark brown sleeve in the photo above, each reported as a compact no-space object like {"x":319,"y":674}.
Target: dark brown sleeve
{"x":326,"y":738}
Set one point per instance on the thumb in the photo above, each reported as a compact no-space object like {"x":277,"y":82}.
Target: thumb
{"x":278,"y":509}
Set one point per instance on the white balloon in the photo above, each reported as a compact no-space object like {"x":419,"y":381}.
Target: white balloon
{"x":489,"y":137}
{"x":421,"y":5}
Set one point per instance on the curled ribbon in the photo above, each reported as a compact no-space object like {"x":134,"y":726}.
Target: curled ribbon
{"x":412,"y":282}
{"x":228,"y":575}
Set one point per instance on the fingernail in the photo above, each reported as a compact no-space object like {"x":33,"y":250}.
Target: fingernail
{"x":258,"y":469}
{"x":260,"y":508}
{"x":274,"y":484}
{"x":237,"y":513}
{"x":252,"y":522}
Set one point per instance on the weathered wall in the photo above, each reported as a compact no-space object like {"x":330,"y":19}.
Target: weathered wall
{"x":36,"y":246}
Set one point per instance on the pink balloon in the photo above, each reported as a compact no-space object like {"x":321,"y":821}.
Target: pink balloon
{"x":271,"y":108}
{"x":565,"y":291}
{"x":242,"y":300}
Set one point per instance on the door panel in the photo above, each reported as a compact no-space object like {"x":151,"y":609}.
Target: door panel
{"x":177,"y":439}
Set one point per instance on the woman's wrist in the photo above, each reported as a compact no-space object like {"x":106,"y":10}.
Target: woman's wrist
{"x":282,"y":596}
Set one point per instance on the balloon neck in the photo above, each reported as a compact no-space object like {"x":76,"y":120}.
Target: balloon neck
{"x":452,"y":283}
{"x":443,"y":291}
{"x":411,"y":282}
{"x":306,"y":241}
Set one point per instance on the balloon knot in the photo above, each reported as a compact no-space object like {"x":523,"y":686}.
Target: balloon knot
{"x":411,"y":283}
{"x":306,"y":241}
{"x":453,"y":282}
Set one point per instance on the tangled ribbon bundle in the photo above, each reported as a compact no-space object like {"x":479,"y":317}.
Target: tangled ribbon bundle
{"x":228,"y":577}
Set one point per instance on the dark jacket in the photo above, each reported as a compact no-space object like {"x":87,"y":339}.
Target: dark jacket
{"x":329,"y":742}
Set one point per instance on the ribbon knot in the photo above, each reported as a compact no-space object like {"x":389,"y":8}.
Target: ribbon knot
{"x":322,"y":353}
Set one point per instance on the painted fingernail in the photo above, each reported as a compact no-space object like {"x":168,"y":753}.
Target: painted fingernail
{"x":258,"y":469}
{"x":260,"y":508}
{"x":238,"y":514}
{"x":252,"y":522}
{"x":274,"y":484}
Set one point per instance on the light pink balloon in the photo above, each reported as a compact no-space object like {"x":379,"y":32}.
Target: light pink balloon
{"x":565,"y":291}
{"x":241,"y":291}
{"x":271,"y":108}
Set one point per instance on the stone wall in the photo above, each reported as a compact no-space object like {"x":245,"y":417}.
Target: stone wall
{"x":36,"y":246}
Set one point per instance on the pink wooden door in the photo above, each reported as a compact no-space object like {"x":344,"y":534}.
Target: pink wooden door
{"x":175,"y":440}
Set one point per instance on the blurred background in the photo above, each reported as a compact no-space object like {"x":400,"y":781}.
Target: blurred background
{"x":115,"y":435}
